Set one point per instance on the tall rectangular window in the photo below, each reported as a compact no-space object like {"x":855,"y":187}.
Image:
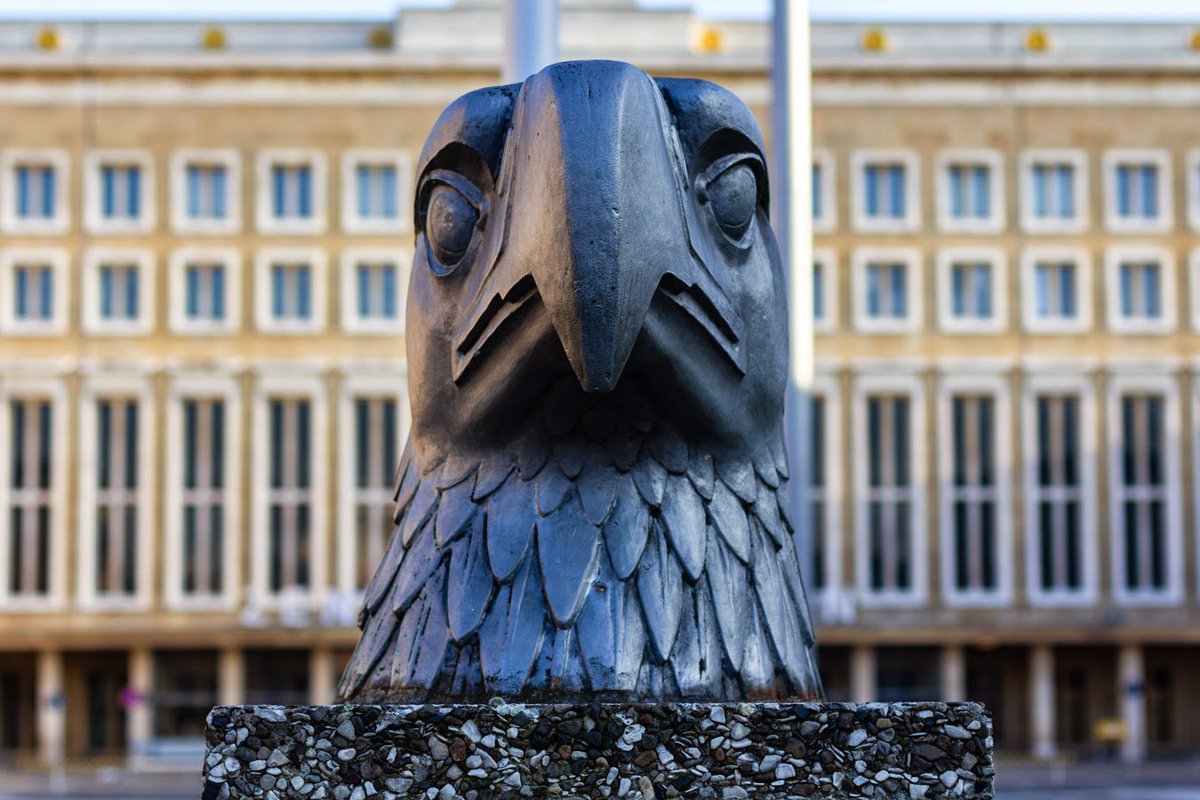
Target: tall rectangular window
{"x":206,"y":191}
{"x":290,"y":494}
{"x":292,"y":191}
{"x":117,"y":484}
{"x":970,"y":191}
{"x":204,"y":498}
{"x":375,"y":191}
{"x":889,"y":494}
{"x":1143,"y":493}
{"x":818,"y":290}
{"x":375,"y":459}
{"x":1056,"y":293}
{"x":1058,"y":494}
{"x":818,"y":196}
{"x":818,"y":502}
{"x":33,"y":293}
{"x":119,"y":292}
{"x":36,"y":193}
{"x":1140,"y":288}
{"x":887,"y":291}
{"x":376,"y":289}
{"x":291,"y":292}
{"x":204,"y":292}
{"x":885,"y":191}
{"x":30,"y":500}
{"x":120,"y":191}
{"x":1137,"y":190}
{"x":1054,"y":190}
{"x":974,"y":499}
{"x":971,"y":292}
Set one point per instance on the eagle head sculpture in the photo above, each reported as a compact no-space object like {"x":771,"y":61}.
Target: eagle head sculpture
{"x":590,"y":504}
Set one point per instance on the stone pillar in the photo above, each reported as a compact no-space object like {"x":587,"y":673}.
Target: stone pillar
{"x":953,"y":673}
{"x":139,"y":727}
{"x":321,"y":677}
{"x":231,"y":677}
{"x":51,"y":708}
{"x":1131,"y":701}
{"x":863,"y":674}
{"x":1041,"y":701}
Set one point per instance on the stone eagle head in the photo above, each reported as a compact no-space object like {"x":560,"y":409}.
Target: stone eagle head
{"x":589,"y":505}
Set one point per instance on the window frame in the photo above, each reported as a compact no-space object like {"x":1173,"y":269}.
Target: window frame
{"x":827,"y":222}
{"x":181,"y":388}
{"x":911,"y":258}
{"x":1061,"y":380}
{"x":1030,"y":257}
{"x":1193,"y":278}
{"x":947,"y":258}
{"x":1137,"y":379}
{"x":94,"y":258}
{"x":265,"y":219}
{"x":93,"y":212}
{"x":264,"y":260}
{"x":994,"y":161}
{"x":58,"y":260}
{"x":831,"y":600}
{"x":1159,"y":158}
{"x":1114,"y":257}
{"x":352,"y":222}
{"x":59,"y":161}
{"x":827,"y":258}
{"x":350,"y":259}
{"x":1192,"y":187}
{"x":38,"y":387}
{"x":231,"y":160}
{"x":95,"y":388}
{"x":911,"y":221}
{"x":1078,"y":160}
{"x":177,"y":264}
{"x":912,"y":385}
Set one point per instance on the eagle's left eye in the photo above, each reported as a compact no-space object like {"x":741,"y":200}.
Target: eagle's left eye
{"x":733,"y":196}
{"x":450,"y":224}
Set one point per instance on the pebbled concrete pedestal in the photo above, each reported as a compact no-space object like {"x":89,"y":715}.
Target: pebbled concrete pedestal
{"x":697,"y":750}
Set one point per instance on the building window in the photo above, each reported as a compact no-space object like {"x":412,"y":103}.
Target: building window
{"x":824,"y":290}
{"x":34,"y":182}
{"x":824,"y":209}
{"x":205,"y":197}
{"x":1138,"y":196}
{"x":116,"y":513}
{"x":373,"y":287}
{"x":1141,"y":290}
{"x":30,"y":500}
{"x":889,"y":494}
{"x":971,"y":195}
{"x":973,"y":504}
{"x":887,"y":289}
{"x":204,"y":499}
{"x":1142,"y":495}
{"x":120,"y":192}
{"x":375,"y":191}
{"x":1057,"y":495}
{"x":972,"y":290}
{"x":289,"y":288}
{"x":291,"y":191}
{"x":886,"y":198}
{"x":1056,"y":290}
{"x":290,"y":495}
{"x":375,"y":460}
{"x":117,"y":291}
{"x":32,"y":291}
{"x":1054,"y":191}
{"x":818,"y":502}
{"x":204,"y":290}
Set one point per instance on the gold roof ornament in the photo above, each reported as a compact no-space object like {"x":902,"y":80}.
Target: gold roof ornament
{"x":707,"y":39}
{"x":380,"y":38}
{"x":1037,"y":41}
{"x":214,"y":38}
{"x":874,"y":41}
{"x":1194,"y":42}
{"x":48,"y":39}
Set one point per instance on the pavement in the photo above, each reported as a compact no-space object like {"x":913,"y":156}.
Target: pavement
{"x":1176,"y":780}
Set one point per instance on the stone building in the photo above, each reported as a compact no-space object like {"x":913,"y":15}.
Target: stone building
{"x":203,"y":247}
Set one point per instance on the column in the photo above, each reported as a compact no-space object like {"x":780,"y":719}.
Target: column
{"x":1131,"y":701}
{"x":321,"y":677}
{"x":139,"y":728}
{"x":231,"y":677}
{"x":51,"y":708}
{"x":953,"y":673}
{"x":863,"y":674}
{"x":1041,"y":701}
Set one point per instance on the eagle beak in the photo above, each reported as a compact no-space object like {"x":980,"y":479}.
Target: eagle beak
{"x":588,"y":219}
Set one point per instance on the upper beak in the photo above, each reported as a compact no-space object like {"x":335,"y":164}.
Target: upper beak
{"x":590,"y":218}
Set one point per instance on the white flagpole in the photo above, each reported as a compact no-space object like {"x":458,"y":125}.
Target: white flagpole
{"x":530,"y":37}
{"x":791,"y":195}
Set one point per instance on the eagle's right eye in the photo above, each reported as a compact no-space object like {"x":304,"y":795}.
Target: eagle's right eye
{"x":449,"y":224}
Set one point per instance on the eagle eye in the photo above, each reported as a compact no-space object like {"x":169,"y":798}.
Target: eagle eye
{"x":733,"y":196}
{"x":450,"y":221}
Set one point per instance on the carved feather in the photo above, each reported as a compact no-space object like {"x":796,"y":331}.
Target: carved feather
{"x":660,"y":586}
{"x":683,"y":518}
{"x":568,"y":553}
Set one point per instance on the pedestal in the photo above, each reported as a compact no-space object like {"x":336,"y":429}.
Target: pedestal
{"x":702,"y":750}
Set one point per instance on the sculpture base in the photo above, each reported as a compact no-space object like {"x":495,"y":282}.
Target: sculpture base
{"x":638,"y":751}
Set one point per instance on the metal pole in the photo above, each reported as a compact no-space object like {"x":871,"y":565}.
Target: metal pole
{"x":530,"y":37}
{"x":791,"y":128}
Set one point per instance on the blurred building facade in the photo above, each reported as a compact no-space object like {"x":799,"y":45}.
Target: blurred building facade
{"x":204,"y":239}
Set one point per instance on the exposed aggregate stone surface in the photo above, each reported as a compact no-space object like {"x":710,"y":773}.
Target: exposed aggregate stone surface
{"x":880,"y":751}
